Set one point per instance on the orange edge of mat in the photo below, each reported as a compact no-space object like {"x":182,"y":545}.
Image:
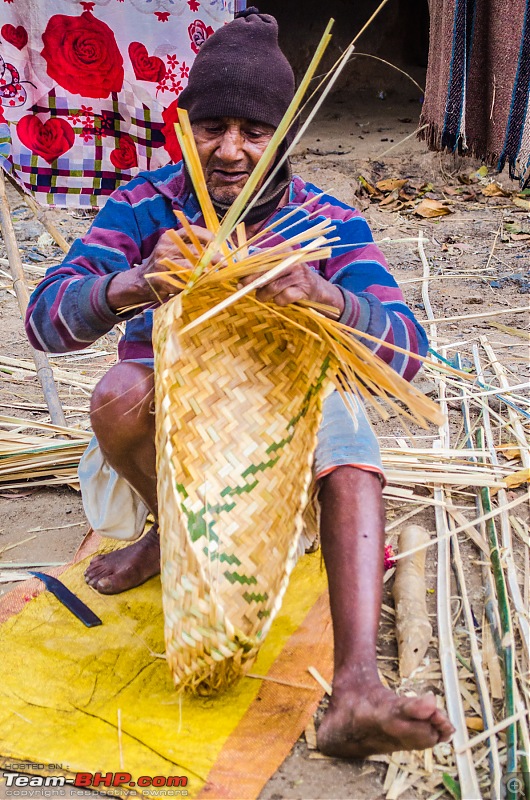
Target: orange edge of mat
{"x":278,"y":715}
{"x":14,"y":601}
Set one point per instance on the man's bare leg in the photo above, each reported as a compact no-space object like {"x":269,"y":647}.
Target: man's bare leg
{"x":364,"y":717}
{"x":122,"y":415}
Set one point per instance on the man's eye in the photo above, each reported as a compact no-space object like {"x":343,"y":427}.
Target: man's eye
{"x":256,"y":136}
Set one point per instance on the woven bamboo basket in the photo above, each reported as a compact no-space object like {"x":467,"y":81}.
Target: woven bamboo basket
{"x":238,"y":405}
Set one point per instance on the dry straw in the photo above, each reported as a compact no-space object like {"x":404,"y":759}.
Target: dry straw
{"x":239,"y":390}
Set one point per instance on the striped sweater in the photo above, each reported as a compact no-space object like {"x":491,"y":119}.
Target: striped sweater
{"x":68,"y":310}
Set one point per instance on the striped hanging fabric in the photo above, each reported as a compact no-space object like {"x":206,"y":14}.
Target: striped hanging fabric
{"x":478,"y":82}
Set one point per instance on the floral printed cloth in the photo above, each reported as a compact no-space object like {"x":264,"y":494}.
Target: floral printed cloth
{"x":89,"y":90}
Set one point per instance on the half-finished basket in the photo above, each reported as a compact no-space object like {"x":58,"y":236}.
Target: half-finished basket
{"x":237,"y":407}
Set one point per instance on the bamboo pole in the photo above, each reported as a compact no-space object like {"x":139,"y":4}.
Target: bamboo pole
{"x":42,"y":366}
{"x":41,"y":215}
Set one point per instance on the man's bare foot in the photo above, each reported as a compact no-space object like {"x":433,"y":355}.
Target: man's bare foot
{"x":124,"y":569}
{"x":374,"y":721}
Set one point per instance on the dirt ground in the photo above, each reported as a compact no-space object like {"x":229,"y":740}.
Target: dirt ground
{"x":482,"y":266}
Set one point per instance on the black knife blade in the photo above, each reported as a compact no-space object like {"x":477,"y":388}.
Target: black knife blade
{"x":68,"y":599}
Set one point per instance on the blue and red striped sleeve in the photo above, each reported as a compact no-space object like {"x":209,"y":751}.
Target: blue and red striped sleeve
{"x":68,"y":310}
{"x":373,"y":302}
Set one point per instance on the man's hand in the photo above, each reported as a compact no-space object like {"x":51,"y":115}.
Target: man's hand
{"x":140,"y":285}
{"x":300,"y":282}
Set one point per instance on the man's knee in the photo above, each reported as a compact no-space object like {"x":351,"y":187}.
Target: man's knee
{"x":123,"y":398}
{"x":348,"y":479}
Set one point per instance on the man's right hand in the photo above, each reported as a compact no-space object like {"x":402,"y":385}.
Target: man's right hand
{"x":146,"y":283}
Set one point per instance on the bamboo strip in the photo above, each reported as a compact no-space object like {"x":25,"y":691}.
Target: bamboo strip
{"x":64,"y":376}
{"x":506,"y":630}
{"x":476,"y":661}
{"x":515,"y":421}
{"x":332,"y":78}
{"x":425,"y":291}
{"x":500,"y":726}
{"x":466,"y":769}
{"x":469,"y":785}
{"x":484,"y":314}
{"x":39,"y":424}
{"x":506,"y":533}
{"x":189,"y":148}
{"x":464,"y":527}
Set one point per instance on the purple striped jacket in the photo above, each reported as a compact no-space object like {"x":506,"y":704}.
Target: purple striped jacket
{"x":68,"y":310}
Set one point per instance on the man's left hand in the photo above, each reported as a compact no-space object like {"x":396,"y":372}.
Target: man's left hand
{"x":300,"y":282}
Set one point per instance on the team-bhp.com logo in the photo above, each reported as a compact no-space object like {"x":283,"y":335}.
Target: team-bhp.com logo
{"x":118,"y":781}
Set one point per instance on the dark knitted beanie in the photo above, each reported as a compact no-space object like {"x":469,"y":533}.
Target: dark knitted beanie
{"x":240,"y":71}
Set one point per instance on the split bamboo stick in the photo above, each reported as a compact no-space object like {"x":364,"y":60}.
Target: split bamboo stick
{"x":484,"y":314}
{"x":466,"y":769}
{"x":506,"y":628}
{"x":42,"y":215}
{"x":42,"y":366}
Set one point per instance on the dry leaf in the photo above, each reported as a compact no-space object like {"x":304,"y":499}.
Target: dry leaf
{"x":515,"y":479}
{"x":390,"y":184}
{"x":390,"y":198}
{"x":525,"y":204}
{"x":451,"y":191}
{"x":431,"y":208}
{"x":518,"y":478}
{"x":372,"y":191}
{"x":509,"y":451}
{"x":494,"y":190}
{"x":467,"y":180}
{"x":475,"y":724}
{"x":519,"y":237}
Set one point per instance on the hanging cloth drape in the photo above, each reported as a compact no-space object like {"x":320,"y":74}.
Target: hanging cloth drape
{"x":478,"y":81}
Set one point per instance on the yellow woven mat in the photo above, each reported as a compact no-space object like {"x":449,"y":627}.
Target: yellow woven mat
{"x":62,"y":685}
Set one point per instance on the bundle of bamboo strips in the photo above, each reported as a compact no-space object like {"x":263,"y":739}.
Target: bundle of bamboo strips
{"x":27,"y":459}
{"x":483,"y":562}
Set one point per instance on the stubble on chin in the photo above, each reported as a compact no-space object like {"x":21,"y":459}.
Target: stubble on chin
{"x":224,"y":196}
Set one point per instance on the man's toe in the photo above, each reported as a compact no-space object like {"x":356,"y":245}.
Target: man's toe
{"x":419,"y":708}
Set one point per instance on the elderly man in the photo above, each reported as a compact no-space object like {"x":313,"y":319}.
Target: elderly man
{"x":239,"y":88}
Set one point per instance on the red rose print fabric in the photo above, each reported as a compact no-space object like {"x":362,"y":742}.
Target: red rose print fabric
{"x":89,"y":89}
{"x":198,"y":33}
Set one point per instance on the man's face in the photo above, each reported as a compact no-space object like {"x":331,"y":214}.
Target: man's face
{"x":229,"y":149}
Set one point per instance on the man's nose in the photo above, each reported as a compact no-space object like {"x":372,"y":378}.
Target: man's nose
{"x":231,"y":145}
